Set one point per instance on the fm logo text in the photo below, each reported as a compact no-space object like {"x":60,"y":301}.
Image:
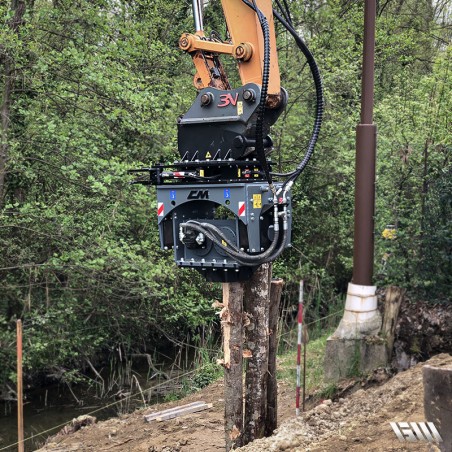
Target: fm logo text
{"x":416,"y":431}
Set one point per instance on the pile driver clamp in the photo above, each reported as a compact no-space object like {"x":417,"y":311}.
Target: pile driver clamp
{"x":218,"y":207}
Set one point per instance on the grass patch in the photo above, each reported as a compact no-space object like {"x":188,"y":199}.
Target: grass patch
{"x":315,"y":354}
{"x":202,"y":377}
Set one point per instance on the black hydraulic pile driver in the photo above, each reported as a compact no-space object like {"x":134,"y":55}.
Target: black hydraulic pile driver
{"x":221,"y":208}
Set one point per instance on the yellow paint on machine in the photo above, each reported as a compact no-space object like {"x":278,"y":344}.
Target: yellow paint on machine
{"x":257,"y":201}
{"x":239,"y":108}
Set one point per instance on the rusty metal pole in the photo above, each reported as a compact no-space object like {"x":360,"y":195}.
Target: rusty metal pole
{"x":366,"y":144}
{"x":361,"y":318}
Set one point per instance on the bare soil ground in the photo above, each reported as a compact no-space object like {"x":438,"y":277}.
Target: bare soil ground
{"x":358,"y":422}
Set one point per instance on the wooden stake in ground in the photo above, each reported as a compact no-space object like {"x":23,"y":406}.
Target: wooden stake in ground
{"x":257,"y":302}
{"x":305,"y":340}
{"x":299,"y":343}
{"x":231,"y":321}
{"x":20,"y":406}
{"x":271,"y":422}
{"x":394,"y":297}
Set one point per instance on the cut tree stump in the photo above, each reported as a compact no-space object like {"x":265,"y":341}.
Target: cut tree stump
{"x":231,"y":317}
{"x":271,"y":421}
{"x":257,"y":302}
{"x":393,"y":299}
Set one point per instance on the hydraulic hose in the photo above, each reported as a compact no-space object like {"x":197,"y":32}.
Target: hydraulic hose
{"x":319,"y":96}
{"x":281,"y":247}
{"x":240,"y":256}
{"x":260,"y":150}
{"x":210,"y":231}
{"x":244,"y":256}
{"x":287,"y":24}
{"x":285,"y":11}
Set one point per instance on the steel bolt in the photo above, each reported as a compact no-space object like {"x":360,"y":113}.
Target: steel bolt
{"x":249,"y":95}
{"x":206,"y":99}
{"x":239,"y":51}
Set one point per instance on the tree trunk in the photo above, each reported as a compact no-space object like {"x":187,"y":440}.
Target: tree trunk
{"x":394,"y":297}
{"x":257,"y":302}
{"x":8,"y":75}
{"x":231,"y":322}
{"x":271,"y":421}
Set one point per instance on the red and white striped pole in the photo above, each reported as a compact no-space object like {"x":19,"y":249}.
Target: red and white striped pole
{"x":300,"y":335}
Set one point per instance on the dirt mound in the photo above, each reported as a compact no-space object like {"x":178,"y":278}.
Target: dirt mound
{"x":359,"y":422}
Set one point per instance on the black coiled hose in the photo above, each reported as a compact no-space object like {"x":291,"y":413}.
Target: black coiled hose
{"x":216,"y":236}
{"x":318,"y":88}
{"x":319,"y":96}
{"x":260,"y":151}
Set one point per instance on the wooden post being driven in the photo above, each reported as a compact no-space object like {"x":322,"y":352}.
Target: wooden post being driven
{"x":250,"y":311}
{"x":231,"y":321}
{"x":271,"y":421}
{"x":257,"y":303}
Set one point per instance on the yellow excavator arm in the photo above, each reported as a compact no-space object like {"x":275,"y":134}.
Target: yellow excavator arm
{"x":246,"y":45}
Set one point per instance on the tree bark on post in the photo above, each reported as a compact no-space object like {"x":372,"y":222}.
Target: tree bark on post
{"x":231,"y":322}
{"x":393,"y":299}
{"x":257,"y":301}
{"x":271,"y":421}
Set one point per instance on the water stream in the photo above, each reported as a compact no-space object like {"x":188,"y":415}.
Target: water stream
{"x":56,"y":405}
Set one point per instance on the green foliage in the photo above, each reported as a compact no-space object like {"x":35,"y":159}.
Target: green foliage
{"x":97,"y":87}
{"x":315,"y":354}
{"x":412,"y":110}
{"x":329,"y":391}
{"x":209,"y":372}
{"x":413,"y":188}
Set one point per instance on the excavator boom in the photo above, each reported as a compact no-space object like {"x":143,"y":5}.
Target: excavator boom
{"x":246,"y":45}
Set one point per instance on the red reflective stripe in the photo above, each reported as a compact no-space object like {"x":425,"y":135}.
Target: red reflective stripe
{"x":160,"y":209}
{"x":241,"y":208}
{"x":300,"y":313}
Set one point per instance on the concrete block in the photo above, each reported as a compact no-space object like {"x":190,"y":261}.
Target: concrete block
{"x":353,"y":357}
